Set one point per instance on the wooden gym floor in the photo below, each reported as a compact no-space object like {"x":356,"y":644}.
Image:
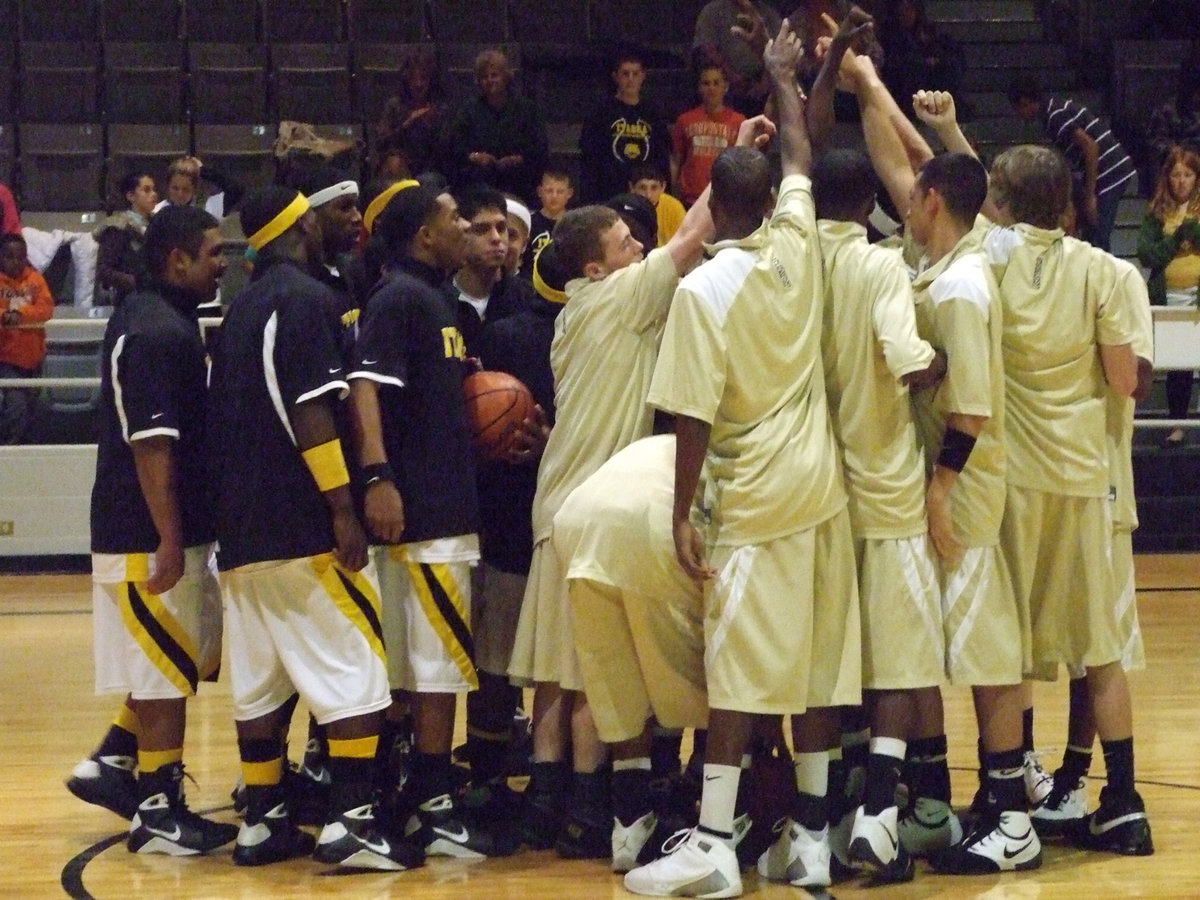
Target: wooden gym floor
{"x":52,"y":845}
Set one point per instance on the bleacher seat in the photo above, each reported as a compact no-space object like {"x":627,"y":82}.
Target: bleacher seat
{"x":142,"y":20}
{"x":60,"y":81}
{"x":351,"y":160}
{"x":8,"y":153}
{"x":468,"y":21}
{"x":549,"y":21}
{"x":625,"y":21}
{"x":390,"y":21}
{"x":48,"y":21}
{"x":377,"y":75}
{"x":144,"y":82}
{"x":74,"y":359}
{"x":229,"y":83}
{"x":222,"y":21}
{"x":312,"y":82}
{"x":145,"y":148}
{"x":304,"y":21}
{"x":62,"y":166}
{"x":1144,"y":76}
{"x":8,"y":81}
{"x":244,"y":152}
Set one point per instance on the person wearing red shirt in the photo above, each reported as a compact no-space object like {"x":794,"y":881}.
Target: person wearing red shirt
{"x":24,"y":300}
{"x":700,"y":134}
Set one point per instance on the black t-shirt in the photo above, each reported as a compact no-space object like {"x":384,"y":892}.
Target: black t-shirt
{"x":152,"y":383}
{"x":614,"y":138}
{"x":519,"y":345}
{"x":410,"y":345}
{"x":279,"y":348}
{"x":540,"y":229}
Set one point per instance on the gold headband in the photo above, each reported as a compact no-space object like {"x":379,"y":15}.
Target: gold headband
{"x":290,"y":216}
{"x":539,"y":284}
{"x":379,"y":204}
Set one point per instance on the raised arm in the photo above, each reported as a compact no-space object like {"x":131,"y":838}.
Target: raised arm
{"x":780,"y":59}
{"x":936,"y":109}
{"x":820,"y":100}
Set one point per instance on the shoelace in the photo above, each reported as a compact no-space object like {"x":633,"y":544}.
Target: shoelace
{"x":675,"y":841}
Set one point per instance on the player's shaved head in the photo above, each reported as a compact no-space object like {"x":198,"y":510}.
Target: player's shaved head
{"x":843,"y":183}
{"x":741,"y":183}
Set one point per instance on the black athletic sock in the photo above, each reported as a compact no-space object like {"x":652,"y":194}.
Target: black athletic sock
{"x":590,"y":798}
{"x":982,"y":758}
{"x":928,"y":773}
{"x":489,"y":728}
{"x":665,"y":747}
{"x":837,"y":802}
{"x":430,"y":775}
{"x":1075,"y":765}
{"x":352,"y":783}
{"x":1118,"y":762}
{"x":632,"y":796}
{"x":811,"y":811}
{"x":1005,"y":780}
{"x":549,"y":781}
{"x":1027,"y":730}
{"x":883,"y":774}
{"x":118,"y":741}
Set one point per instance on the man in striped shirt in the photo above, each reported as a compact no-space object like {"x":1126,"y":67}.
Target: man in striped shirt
{"x":1094,"y":153}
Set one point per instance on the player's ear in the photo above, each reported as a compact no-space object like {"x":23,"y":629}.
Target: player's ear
{"x":594,"y":271}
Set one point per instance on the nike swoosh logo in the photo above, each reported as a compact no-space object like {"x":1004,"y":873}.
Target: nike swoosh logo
{"x":895,"y":842}
{"x":335,"y":370}
{"x":1110,"y":825}
{"x":460,"y":837}
{"x":1010,"y":854}
{"x":380,"y":846}
{"x":169,"y":835}
{"x":157,"y":416}
{"x":369,"y":362}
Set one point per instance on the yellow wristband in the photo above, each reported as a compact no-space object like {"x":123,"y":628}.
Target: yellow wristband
{"x":327,"y":465}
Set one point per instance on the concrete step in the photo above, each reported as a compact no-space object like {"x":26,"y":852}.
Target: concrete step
{"x":974,"y":10}
{"x":998,"y":31}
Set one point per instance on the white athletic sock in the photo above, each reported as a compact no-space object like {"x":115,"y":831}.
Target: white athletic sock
{"x":719,"y":798}
{"x":812,"y":773}
{"x":886,"y":746}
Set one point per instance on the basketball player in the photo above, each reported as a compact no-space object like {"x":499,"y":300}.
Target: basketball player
{"x":1067,"y":804}
{"x":872,"y":356}
{"x":639,"y":633}
{"x":301,"y":601}
{"x":605,"y":344}
{"x":155,"y":594}
{"x":421,"y":503}
{"x":741,"y":371}
{"x":1057,"y":533}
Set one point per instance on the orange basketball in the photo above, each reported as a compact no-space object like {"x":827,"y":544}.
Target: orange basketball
{"x":497,"y":403}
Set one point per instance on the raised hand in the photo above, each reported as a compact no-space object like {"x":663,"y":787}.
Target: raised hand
{"x":935,"y":109}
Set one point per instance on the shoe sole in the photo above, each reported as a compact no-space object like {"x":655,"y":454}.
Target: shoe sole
{"x":82,"y":790}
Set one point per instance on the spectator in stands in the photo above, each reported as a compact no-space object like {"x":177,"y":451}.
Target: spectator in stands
{"x":497,"y":136}
{"x":714,"y":42}
{"x":1089,"y":146}
{"x":623,"y":132}
{"x":1169,"y":246}
{"x":1177,"y":122}
{"x":649,"y":181}
{"x":121,"y":238}
{"x":700,"y":134}
{"x":24,"y":300}
{"x":555,"y":193}
{"x":183,"y":187}
{"x":410,"y":135}
{"x":919,"y":56}
{"x":8,"y":207}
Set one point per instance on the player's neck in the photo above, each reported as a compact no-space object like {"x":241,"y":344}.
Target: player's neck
{"x":630,"y":99}
{"x":944,"y":237}
{"x":477,"y":282}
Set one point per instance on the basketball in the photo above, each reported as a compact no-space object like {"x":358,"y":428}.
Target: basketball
{"x":497,"y":404}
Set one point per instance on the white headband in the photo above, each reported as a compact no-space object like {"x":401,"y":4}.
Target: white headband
{"x":521,"y":211}
{"x":325,"y":195}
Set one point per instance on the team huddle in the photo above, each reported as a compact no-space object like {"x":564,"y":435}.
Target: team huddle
{"x":879,"y":468}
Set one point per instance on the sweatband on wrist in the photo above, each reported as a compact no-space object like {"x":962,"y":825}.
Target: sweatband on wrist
{"x":377,"y":472}
{"x":956,"y":449}
{"x":288,"y":217}
{"x":327,"y":465}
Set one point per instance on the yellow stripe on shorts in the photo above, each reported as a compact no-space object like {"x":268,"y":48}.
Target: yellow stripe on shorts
{"x":355,"y":596}
{"x":446,"y":611}
{"x":160,"y":635}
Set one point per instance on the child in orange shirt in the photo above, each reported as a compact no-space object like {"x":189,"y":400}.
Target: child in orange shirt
{"x":24,"y":300}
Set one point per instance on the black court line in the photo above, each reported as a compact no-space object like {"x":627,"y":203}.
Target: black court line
{"x":1090,"y":777}
{"x":72,"y":873}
